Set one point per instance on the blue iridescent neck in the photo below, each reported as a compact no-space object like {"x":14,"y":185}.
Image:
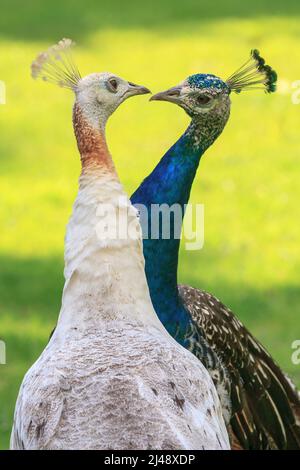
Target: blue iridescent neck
{"x":169,"y":183}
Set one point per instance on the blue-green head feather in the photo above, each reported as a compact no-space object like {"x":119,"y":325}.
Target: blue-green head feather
{"x":208,"y":81}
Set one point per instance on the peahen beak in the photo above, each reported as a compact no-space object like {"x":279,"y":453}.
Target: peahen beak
{"x":172,"y":95}
{"x":137,"y":89}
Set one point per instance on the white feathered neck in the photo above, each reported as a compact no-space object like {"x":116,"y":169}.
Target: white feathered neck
{"x":104,"y":278}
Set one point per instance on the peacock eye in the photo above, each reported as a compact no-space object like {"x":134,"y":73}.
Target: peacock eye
{"x":112,"y":85}
{"x":203,"y":99}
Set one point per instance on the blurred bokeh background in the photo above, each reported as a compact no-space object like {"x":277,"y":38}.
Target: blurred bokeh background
{"x":248,"y":180}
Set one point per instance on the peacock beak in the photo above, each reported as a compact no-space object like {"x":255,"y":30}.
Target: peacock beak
{"x":172,"y":95}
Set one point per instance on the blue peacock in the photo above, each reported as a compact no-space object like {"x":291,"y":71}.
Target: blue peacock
{"x":260,"y":404}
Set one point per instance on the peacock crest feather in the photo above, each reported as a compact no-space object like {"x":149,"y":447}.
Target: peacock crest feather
{"x":55,"y":65}
{"x":254,"y":74}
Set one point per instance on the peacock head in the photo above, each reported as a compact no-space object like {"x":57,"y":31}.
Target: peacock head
{"x":98,"y":94}
{"x":205,"y":96}
{"x":199,"y":95}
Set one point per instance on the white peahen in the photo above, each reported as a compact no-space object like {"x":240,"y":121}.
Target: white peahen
{"x":111,"y":377}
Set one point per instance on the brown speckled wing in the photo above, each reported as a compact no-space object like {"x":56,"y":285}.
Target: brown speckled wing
{"x":265,"y":406}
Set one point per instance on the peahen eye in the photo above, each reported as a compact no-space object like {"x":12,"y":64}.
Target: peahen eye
{"x":112,"y":85}
{"x":203,"y":99}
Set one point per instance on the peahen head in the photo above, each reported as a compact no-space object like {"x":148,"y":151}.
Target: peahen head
{"x":206,"y":98}
{"x":98,"y":95}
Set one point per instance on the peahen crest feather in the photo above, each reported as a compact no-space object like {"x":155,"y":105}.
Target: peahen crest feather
{"x":55,"y":65}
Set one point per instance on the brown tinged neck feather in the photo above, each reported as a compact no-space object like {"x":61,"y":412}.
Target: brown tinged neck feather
{"x":91,"y":144}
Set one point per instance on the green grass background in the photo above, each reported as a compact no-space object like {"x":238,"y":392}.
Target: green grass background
{"x":248,"y":181}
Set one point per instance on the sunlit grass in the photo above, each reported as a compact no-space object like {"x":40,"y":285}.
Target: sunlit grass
{"x":248,"y":180}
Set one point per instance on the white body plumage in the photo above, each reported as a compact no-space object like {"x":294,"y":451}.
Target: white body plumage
{"x":111,"y":376}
